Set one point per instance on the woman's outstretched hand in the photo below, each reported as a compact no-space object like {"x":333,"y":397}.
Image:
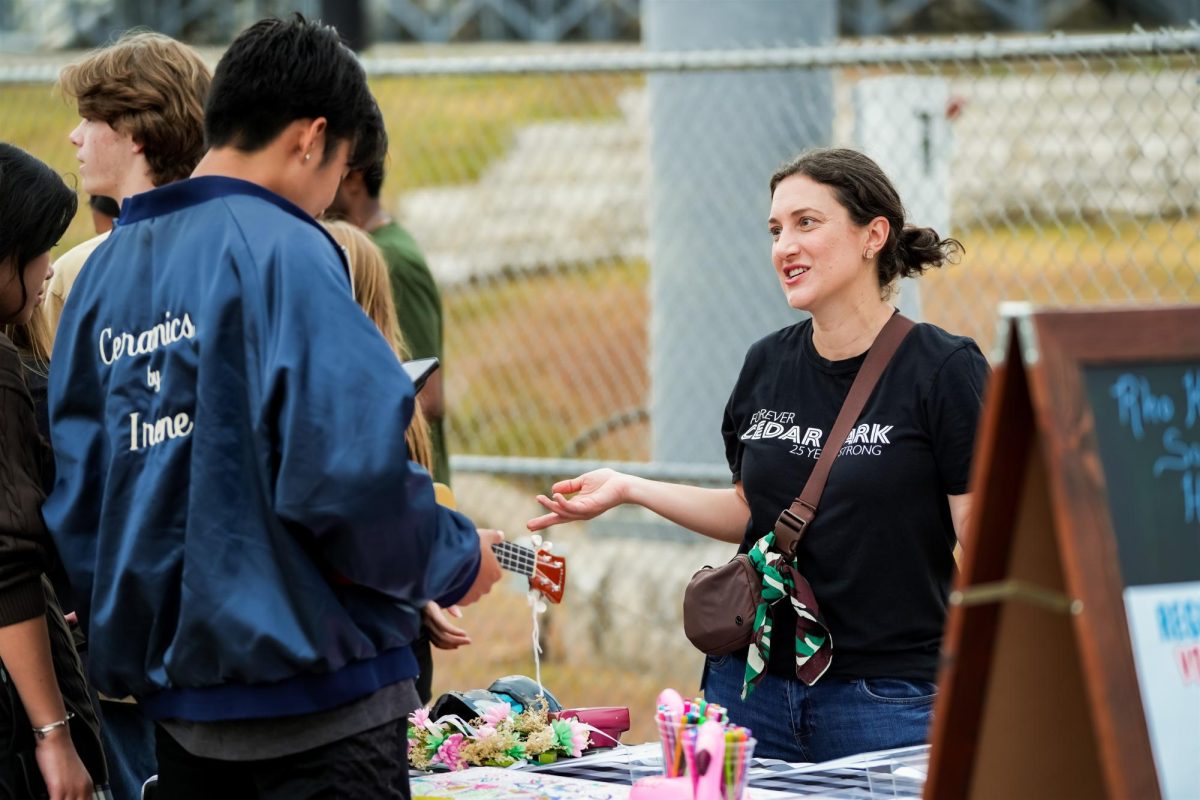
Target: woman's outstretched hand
{"x":595,"y":492}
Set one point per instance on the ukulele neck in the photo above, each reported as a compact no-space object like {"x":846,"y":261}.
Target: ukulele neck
{"x":515,"y":558}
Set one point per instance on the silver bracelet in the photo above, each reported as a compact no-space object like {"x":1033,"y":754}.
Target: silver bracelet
{"x":45,"y":730}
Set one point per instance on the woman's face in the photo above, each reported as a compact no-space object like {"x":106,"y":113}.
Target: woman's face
{"x":817,"y":250}
{"x":16,"y":306}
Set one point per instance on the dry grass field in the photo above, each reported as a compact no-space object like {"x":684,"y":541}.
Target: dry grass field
{"x":528,"y":336}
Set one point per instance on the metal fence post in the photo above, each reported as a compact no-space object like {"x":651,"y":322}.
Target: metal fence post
{"x":715,"y":140}
{"x":900,"y":121}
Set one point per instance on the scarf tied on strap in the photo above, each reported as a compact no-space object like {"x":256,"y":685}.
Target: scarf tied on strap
{"x":814,"y":644}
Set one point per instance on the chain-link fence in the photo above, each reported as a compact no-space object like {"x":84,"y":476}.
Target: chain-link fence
{"x":597,"y":224}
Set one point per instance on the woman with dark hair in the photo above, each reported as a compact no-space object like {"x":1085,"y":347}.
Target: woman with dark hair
{"x":47,"y":725}
{"x":879,"y":554}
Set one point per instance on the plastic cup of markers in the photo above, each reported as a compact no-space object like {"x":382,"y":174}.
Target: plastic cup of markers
{"x":676,"y":736}
{"x":736,"y":776}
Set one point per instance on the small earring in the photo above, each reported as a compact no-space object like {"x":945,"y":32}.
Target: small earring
{"x":307,"y":156}
{"x":868,"y":253}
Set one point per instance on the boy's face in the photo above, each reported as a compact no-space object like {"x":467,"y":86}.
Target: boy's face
{"x":106,"y":157}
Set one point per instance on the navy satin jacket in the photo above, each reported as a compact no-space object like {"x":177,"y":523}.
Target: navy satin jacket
{"x":234,"y":503}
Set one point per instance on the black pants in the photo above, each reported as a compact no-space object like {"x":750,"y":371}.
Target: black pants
{"x":372,"y":764}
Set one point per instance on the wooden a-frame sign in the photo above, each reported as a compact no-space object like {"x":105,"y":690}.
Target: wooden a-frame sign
{"x":1039,"y":691}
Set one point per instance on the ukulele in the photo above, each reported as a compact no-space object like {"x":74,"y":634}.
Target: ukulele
{"x":547,"y":573}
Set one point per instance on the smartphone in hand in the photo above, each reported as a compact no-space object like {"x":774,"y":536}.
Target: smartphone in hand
{"x":419,"y":370}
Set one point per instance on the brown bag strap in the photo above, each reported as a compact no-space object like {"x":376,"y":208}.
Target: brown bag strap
{"x":794,"y":520}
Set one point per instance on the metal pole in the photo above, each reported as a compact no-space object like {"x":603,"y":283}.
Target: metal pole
{"x":716,"y":137}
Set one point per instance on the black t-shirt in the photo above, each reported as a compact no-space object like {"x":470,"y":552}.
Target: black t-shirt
{"x":879,"y":554}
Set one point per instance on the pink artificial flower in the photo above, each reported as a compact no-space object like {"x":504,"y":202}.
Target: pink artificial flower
{"x":450,"y":753}
{"x":579,"y":737}
{"x":419,"y":718}
{"x":497,"y":714}
{"x":484,"y":731}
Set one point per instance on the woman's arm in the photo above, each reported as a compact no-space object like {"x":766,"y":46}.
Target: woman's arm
{"x":960,"y":514}
{"x":24,"y":636}
{"x":717,"y":513}
{"x":25,"y":651}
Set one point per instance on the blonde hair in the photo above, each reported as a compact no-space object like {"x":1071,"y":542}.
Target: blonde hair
{"x":153,"y":88}
{"x":373,"y":291}
{"x":32,"y":338}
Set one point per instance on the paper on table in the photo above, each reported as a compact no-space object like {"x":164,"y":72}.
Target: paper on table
{"x":491,"y":783}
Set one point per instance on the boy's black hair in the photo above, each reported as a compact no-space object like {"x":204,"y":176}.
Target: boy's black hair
{"x":373,"y":178}
{"x":35,"y":209}
{"x":278,"y":71}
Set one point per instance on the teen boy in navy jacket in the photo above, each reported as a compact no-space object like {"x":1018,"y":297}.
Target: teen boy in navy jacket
{"x":234,"y":503}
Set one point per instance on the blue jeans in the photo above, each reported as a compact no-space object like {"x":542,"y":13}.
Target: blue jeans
{"x":838,"y":717}
{"x":129,"y":747}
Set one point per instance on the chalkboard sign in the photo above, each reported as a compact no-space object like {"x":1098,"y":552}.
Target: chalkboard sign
{"x":1072,"y":650}
{"x":1148,"y":427}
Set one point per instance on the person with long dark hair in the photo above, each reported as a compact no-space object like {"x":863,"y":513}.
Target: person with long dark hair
{"x":48,"y":728}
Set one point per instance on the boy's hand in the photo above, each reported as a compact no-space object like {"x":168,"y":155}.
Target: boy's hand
{"x":444,"y":634}
{"x":489,"y":567}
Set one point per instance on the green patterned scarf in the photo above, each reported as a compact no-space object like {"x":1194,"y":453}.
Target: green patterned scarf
{"x":814,"y":644}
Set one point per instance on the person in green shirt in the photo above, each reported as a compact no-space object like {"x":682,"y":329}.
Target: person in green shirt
{"x":418,"y":301}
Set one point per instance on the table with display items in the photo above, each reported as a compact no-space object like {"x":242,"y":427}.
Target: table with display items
{"x":606,"y":774}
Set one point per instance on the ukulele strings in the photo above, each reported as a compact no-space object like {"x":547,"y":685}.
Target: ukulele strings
{"x":515,"y":558}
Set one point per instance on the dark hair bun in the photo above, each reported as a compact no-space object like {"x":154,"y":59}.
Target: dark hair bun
{"x":919,"y":249}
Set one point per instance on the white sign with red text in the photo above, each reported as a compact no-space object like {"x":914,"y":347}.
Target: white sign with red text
{"x":1164,"y":626}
